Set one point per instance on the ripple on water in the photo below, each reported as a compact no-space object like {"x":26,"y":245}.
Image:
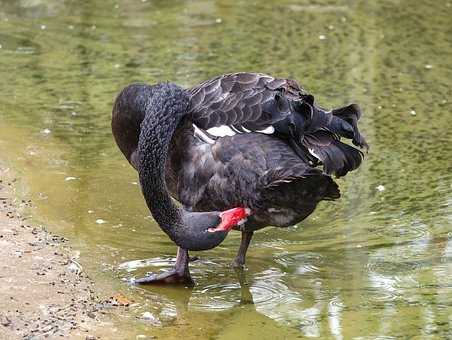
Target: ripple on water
{"x":219,"y":296}
{"x":393,"y":272}
{"x":133,"y":265}
{"x":266,"y":291}
{"x":164,"y":263}
{"x":405,"y":230}
{"x":384,"y":287}
{"x":300,"y":263}
{"x":268,"y":288}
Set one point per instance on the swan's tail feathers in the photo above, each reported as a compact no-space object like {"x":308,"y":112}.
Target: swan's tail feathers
{"x":332,"y":191}
{"x":338,"y":158}
{"x":345,"y":119}
{"x":318,"y":137}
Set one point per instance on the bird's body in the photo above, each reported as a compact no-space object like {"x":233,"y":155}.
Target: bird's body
{"x":272,"y":140}
{"x":252,"y":170}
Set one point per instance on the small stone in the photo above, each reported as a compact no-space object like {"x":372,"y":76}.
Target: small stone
{"x":5,"y":321}
{"x":322,"y":37}
{"x":149,"y":317}
{"x":428,"y":66}
{"x":73,"y":268}
{"x":413,"y":113}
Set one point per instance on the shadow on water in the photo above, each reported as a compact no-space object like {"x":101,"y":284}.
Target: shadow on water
{"x":376,"y":263}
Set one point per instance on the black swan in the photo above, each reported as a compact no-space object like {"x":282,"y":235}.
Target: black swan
{"x":240,"y":151}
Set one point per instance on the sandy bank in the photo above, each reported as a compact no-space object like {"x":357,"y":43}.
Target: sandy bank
{"x":43,"y":289}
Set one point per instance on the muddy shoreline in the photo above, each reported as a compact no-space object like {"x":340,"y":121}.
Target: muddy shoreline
{"x":44,"y":291}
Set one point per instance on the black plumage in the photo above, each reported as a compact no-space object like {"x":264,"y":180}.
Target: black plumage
{"x":257,"y":101}
{"x":162,"y":130}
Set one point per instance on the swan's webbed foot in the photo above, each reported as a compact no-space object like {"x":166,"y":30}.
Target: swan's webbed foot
{"x":173,"y":276}
{"x":180,"y":274}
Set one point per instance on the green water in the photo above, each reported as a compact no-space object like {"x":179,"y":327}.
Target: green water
{"x":375,"y":264}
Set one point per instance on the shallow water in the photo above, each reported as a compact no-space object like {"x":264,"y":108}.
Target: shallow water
{"x":376,"y":263}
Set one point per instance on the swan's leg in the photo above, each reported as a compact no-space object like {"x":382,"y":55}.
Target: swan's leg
{"x":246,"y":298}
{"x":179,"y":274}
{"x":239,"y":260}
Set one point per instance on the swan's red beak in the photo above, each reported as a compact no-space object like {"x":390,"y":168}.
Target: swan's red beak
{"x":231,"y":218}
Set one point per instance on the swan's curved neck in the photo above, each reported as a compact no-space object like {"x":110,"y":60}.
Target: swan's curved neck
{"x":145,"y":119}
{"x":163,"y":112}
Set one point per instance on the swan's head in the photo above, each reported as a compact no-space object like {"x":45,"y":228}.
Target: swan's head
{"x":206,"y":230}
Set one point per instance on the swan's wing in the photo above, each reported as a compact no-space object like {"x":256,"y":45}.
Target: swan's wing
{"x":243,"y":102}
{"x":337,"y":157}
{"x":253,"y":102}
